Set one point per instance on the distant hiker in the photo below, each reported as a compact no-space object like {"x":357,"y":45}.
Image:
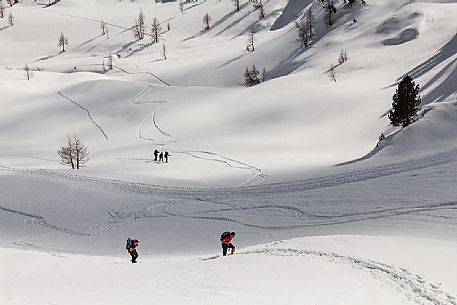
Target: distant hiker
{"x":156,"y":154}
{"x":161,"y":156}
{"x":131,"y":248}
{"x":354,"y":20}
{"x":166,"y":155}
{"x":226,"y":240}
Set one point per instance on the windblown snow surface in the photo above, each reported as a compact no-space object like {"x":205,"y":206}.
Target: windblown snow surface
{"x":324,"y":214}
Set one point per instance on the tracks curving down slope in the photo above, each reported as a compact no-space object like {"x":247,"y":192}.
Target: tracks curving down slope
{"x":413,"y":286}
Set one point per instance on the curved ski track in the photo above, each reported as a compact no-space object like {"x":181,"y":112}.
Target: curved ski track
{"x":256,"y":173}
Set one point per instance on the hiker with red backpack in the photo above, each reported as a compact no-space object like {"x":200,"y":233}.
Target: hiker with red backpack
{"x":131,"y":248}
{"x":226,"y":241}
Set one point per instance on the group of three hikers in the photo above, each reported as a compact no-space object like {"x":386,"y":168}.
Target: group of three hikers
{"x":158,"y":157}
{"x":226,"y":242}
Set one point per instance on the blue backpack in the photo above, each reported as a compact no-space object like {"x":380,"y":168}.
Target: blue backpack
{"x":129,"y":243}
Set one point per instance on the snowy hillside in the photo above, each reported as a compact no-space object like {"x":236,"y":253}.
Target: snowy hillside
{"x":293,"y":165}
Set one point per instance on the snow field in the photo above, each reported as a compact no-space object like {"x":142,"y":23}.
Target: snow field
{"x":269,"y":274}
{"x":292,"y":157}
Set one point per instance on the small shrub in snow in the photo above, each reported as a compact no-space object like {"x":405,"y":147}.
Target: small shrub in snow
{"x":343,"y":56}
{"x":251,"y":39}
{"x":251,"y":77}
{"x":332,"y":73}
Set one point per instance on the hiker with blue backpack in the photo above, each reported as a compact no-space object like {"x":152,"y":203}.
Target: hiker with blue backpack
{"x":131,"y":248}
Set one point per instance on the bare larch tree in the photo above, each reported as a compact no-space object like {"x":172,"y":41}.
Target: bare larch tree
{"x":181,"y":6}
{"x":140,"y":26}
{"x":10,"y":19}
{"x":109,"y":65}
{"x":164,"y":51}
{"x":330,"y":10}
{"x":310,"y":22}
{"x":28,"y":72}
{"x":155,"y":30}
{"x":303,"y":36}
{"x":237,"y":4}
{"x":258,"y":5}
{"x":62,"y":41}
{"x":206,"y":21}
{"x":74,"y":153}
{"x":251,"y":40}
{"x":2,"y":9}
{"x":332,"y":73}
{"x":103,"y":27}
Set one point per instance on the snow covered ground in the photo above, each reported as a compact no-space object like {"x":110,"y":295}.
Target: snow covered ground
{"x":322,"y":215}
{"x":317,"y":270}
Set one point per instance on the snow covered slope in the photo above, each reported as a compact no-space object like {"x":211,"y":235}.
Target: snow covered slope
{"x":304,"y":271}
{"x":271,"y":129}
{"x":294,"y":156}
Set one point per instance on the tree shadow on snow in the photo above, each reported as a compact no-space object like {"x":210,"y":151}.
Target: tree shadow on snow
{"x":48,"y":57}
{"x":255,"y":26}
{"x":448,"y":74}
{"x":289,"y":64}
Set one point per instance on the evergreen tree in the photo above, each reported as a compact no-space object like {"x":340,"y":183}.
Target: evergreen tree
{"x":405,"y":103}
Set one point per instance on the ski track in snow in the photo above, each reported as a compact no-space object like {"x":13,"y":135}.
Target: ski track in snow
{"x":41,"y":221}
{"x":88,"y":113}
{"x":165,"y":198}
{"x":137,"y":100}
{"x":411,"y":285}
{"x":251,"y":191}
{"x":311,"y":220}
{"x":256,"y":175}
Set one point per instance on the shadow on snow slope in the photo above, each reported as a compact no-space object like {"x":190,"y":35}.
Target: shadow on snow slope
{"x":444,"y":83}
